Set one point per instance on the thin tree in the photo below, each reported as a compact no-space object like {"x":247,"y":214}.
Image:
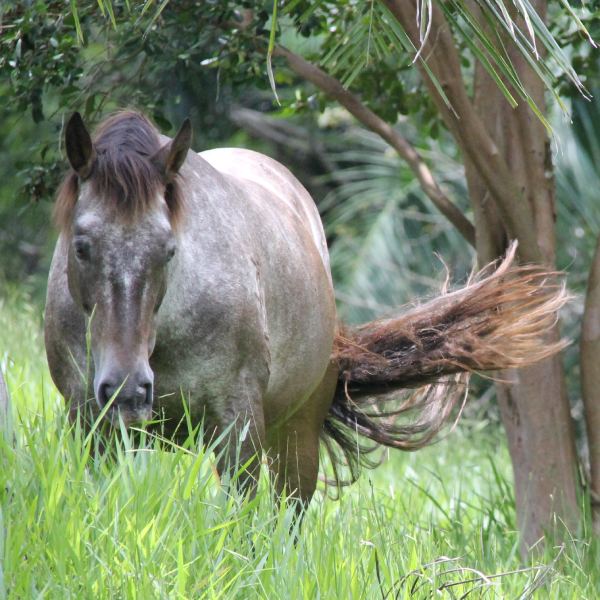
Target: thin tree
{"x":497,"y":119}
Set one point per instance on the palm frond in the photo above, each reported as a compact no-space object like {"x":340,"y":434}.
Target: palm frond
{"x":384,"y":234}
{"x":372,"y":34}
{"x":530,"y":35}
{"x":522,"y":23}
{"x":577,"y":185}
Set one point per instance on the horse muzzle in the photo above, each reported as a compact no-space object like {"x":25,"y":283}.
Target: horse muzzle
{"x":130,"y":396}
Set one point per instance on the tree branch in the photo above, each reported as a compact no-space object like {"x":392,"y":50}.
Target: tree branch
{"x":333,"y":88}
{"x":442,"y":59}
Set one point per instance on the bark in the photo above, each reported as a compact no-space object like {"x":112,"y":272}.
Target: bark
{"x":469,"y":128}
{"x":507,"y":166}
{"x":491,"y":236}
{"x":590,"y":381}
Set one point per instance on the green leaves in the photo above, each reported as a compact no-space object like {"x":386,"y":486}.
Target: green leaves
{"x":360,"y":39}
{"x":38,"y":50}
{"x":272,"y":37}
{"x":383,"y":232}
{"x":486,"y":35}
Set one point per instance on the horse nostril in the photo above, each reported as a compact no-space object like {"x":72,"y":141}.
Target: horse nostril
{"x":105,"y":393}
{"x":134,"y":397}
{"x":149,"y":394}
{"x":143,"y":395}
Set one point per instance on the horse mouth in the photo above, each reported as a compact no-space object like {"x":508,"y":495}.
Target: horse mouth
{"x":129,"y":416}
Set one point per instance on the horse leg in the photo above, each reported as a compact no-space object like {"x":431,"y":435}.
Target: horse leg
{"x":240,"y":449}
{"x":239,"y":456}
{"x":294,"y":445}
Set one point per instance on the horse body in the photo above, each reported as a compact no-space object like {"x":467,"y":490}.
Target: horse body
{"x":204,"y":279}
{"x":246,"y":327}
{"x":235,"y":309}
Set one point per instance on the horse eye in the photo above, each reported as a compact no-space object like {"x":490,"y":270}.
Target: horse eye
{"x":170,"y":253}
{"x":82,"y":249}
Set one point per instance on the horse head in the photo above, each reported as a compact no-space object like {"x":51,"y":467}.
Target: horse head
{"x":118,"y":209}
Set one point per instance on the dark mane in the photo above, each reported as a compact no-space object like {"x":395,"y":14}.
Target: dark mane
{"x":123,"y":173}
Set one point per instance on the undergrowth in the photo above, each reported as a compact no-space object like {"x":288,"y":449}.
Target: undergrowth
{"x":148,"y":522}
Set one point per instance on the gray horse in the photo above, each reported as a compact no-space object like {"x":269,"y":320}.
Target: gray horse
{"x":203,"y":279}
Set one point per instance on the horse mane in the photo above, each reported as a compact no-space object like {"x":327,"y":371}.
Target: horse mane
{"x":123,"y":173}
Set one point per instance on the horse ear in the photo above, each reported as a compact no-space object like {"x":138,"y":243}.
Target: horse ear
{"x":80,"y":150}
{"x":171,"y":156}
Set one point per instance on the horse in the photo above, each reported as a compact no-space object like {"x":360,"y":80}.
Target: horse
{"x":199,"y":284}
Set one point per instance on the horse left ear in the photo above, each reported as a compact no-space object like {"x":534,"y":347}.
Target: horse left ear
{"x":171,"y":156}
{"x":80,"y":150}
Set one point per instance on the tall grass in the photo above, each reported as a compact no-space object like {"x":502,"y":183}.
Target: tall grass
{"x":158,"y":524}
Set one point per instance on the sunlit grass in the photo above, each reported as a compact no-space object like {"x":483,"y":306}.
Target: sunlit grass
{"x":157,"y":524}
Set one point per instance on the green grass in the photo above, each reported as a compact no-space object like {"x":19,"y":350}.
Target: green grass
{"x":157,"y":524}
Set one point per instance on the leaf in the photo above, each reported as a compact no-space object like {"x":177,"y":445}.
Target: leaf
{"x":272,"y":37}
{"x":76,"y":20}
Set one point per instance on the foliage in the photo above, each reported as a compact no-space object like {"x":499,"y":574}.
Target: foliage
{"x":384,"y":234}
{"x":577,"y":182}
{"x":156,"y":523}
{"x":149,"y":60}
{"x":175,"y":59}
{"x":364,"y":46}
{"x":39,"y":51}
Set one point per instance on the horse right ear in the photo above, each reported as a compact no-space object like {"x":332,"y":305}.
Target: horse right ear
{"x":80,"y":150}
{"x":170,"y":158}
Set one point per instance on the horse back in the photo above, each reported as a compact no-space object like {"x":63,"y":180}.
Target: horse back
{"x":249,"y":166}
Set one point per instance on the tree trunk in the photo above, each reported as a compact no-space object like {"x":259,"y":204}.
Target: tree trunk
{"x":513,"y":199}
{"x":590,"y":380}
{"x":534,"y":408}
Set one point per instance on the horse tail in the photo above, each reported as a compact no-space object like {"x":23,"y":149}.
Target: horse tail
{"x":501,"y":319}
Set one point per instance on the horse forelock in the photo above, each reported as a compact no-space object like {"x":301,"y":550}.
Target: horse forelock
{"x":123,"y":173}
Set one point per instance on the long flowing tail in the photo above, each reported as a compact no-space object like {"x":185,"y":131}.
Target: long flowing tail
{"x":500,"y":319}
